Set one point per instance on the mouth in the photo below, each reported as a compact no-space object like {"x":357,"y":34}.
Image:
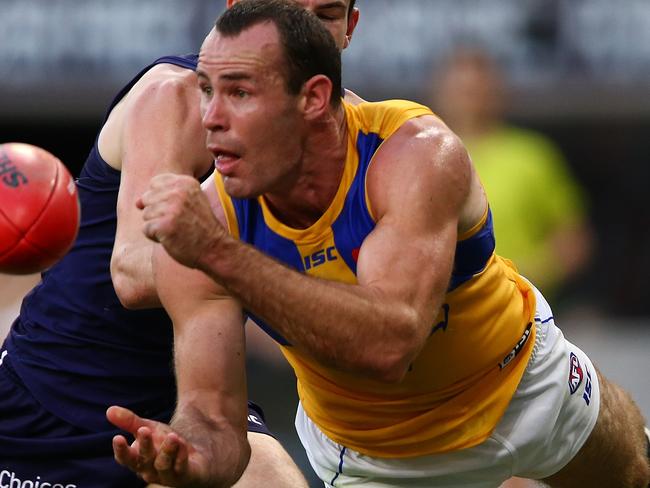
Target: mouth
{"x":225,"y":161}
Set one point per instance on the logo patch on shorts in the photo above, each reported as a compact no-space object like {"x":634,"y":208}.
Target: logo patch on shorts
{"x":586,"y":396}
{"x":252,"y":419}
{"x":575,"y":374}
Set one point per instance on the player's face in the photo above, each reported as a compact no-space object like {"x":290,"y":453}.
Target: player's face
{"x":334,"y":14}
{"x":254,"y":127}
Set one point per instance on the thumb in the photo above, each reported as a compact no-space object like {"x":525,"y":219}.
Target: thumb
{"x":125,"y":419}
{"x":139,"y":203}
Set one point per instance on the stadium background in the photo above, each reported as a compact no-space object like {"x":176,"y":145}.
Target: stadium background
{"x":579,"y":72}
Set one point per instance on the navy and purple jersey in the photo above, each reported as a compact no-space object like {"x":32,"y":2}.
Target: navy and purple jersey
{"x":74,"y":346}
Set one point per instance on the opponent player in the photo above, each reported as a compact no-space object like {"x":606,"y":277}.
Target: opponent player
{"x":364,"y":243}
{"x":78,"y":346}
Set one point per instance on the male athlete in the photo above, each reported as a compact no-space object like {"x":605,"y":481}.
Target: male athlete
{"x":361,"y":239}
{"x":79,"y":344}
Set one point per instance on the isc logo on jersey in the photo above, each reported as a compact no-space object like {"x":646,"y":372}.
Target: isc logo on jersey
{"x":320,"y":257}
{"x":9,"y":479}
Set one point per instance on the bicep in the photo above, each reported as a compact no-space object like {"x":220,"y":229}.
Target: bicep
{"x":410,"y":263}
{"x":418,"y":185}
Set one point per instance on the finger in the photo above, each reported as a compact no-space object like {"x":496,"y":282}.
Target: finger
{"x":125,"y":454}
{"x":168,"y":457}
{"x":146,"y":449}
{"x":182,"y":456}
{"x":121,"y":450}
{"x":150,"y":230}
{"x":125,"y":419}
{"x":163,"y":180}
{"x":139,"y":203}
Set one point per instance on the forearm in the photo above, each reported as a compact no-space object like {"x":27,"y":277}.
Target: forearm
{"x":210,"y":368}
{"x":351,"y":327}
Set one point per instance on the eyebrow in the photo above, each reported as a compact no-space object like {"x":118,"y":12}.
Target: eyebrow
{"x":235,"y":76}
{"x":332,"y":5}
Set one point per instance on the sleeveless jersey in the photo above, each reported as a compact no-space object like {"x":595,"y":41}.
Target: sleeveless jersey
{"x":459,"y":386}
{"x":74,"y":346}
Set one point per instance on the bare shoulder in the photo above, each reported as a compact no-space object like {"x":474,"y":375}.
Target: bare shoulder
{"x":164,"y":106}
{"x":422,"y":157}
{"x":167,"y":80}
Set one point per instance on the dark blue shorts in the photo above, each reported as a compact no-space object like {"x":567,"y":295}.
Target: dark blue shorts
{"x":40,"y":450}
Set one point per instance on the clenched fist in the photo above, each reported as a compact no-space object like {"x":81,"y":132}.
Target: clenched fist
{"x":177,"y":214}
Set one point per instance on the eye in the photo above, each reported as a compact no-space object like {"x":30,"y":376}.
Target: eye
{"x":331,"y":15}
{"x":240,"y":93}
{"x":206,"y":89}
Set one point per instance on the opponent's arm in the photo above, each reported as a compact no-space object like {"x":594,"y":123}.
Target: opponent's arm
{"x":418,"y":183}
{"x":156,"y":129}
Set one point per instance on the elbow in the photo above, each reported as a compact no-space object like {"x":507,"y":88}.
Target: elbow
{"x":393,"y":359}
{"x":392,"y":368}
{"x":129,"y":291}
{"x":126,"y":293}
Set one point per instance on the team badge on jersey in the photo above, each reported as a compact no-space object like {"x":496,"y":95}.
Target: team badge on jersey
{"x":575,"y":374}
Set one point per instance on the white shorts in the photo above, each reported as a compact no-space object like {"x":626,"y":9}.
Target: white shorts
{"x":548,"y":420}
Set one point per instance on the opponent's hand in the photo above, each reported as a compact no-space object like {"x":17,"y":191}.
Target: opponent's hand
{"x":177,"y":214}
{"x":158,"y":454}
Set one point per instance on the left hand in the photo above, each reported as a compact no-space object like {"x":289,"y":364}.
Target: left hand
{"x":177,"y":214}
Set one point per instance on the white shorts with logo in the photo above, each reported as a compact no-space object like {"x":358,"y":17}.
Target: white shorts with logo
{"x":548,"y":420}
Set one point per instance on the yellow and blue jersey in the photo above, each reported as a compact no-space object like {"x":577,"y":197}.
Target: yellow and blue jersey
{"x":459,"y":386}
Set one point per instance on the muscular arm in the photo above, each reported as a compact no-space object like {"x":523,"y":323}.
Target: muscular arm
{"x":209,"y":355}
{"x":418,"y":184}
{"x":155,"y":129}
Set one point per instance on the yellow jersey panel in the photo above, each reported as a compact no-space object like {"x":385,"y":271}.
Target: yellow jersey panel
{"x":457,"y":389}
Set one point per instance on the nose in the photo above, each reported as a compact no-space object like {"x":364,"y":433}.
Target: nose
{"x":214,"y":116}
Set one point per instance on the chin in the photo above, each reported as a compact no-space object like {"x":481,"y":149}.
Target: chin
{"x":236,"y":188}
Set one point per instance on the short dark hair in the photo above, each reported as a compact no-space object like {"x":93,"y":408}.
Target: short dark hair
{"x":309,"y":48}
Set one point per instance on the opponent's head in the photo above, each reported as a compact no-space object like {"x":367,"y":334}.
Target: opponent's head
{"x":340,"y":17}
{"x":267,"y":73}
{"x":468,"y":90}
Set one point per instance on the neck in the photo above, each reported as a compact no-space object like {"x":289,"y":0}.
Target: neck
{"x":309,"y":195}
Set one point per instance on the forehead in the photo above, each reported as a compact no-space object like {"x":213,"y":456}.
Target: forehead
{"x":257,"y":46}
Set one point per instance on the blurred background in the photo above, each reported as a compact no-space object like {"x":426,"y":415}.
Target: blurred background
{"x":552,"y":98}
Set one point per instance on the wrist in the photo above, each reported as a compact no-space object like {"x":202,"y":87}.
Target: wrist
{"x":217,"y":257}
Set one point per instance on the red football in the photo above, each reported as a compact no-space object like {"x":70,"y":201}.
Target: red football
{"x":39,"y":209}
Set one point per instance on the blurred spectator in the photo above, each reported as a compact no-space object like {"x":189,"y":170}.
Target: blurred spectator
{"x":539,"y":210}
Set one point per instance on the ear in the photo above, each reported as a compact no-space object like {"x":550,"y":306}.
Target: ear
{"x":316,"y":97}
{"x":230,"y":3}
{"x":353,"y":20}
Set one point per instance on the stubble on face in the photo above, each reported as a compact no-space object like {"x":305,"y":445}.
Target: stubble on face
{"x":256,"y":114}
